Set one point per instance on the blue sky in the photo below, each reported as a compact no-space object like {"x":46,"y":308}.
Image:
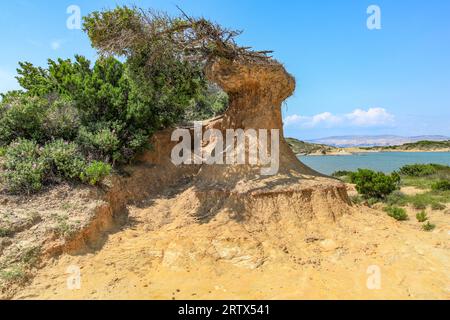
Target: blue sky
{"x":350,"y":80}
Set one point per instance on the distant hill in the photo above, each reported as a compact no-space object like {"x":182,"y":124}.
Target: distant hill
{"x":420,"y":145}
{"x":372,"y":141}
{"x":308,"y":148}
{"x":302,"y":147}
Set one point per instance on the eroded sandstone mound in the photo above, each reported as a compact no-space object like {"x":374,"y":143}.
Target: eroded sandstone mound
{"x":295,"y":193}
{"x":226,"y":231}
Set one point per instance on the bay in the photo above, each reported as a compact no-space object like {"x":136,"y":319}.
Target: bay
{"x":378,"y":161}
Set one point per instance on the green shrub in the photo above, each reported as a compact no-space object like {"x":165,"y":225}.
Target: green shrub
{"x":341,"y":173}
{"x":441,"y":185}
{"x":438,"y":206}
{"x":102,"y":144}
{"x":63,"y":159}
{"x":108,"y":110}
{"x":30,"y":255}
{"x":2,"y":151}
{"x":62,"y":121}
{"x":95,"y":172}
{"x":5,"y":232}
{"x":420,"y":203}
{"x":397,"y":213}
{"x":24,"y":170}
{"x":397,"y":198}
{"x":422,"y":216}
{"x":22,"y":117}
{"x":373,"y":184}
{"x":428,"y":226}
{"x":423,"y":200}
{"x":14,"y":273}
{"x":372,"y":201}
{"x":418,"y":170}
{"x":357,"y":199}
{"x":63,"y":227}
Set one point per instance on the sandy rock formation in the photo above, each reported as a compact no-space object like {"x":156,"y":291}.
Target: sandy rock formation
{"x":232,"y":212}
{"x":226,"y":232}
{"x":256,"y":92}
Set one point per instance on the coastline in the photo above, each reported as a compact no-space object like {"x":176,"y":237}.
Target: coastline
{"x":352,"y":151}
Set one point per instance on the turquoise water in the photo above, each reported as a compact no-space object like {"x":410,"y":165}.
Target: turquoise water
{"x":380,"y":161}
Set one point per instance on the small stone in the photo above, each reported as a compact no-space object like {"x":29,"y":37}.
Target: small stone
{"x":328,"y":244}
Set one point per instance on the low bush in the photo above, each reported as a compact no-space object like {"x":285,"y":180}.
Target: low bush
{"x":420,"y":203}
{"x":63,"y":160}
{"x":22,"y":117}
{"x":397,"y":213}
{"x":95,"y":172}
{"x":428,"y":226}
{"x":62,"y":121}
{"x":434,"y":200}
{"x":396,"y":198}
{"x":357,"y":199}
{"x":422,"y":216}
{"x":372,"y":201}
{"x":419,"y":170}
{"x":24,"y":170}
{"x":14,"y":273}
{"x":341,"y":173}
{"x":5,"y":232}
{"x":441,"y":185}
{"x":438,"y":206}
{"x":28,"y":167}
{"x":371,"y":184}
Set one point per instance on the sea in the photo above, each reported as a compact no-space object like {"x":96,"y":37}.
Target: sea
{"x":379,"y":161}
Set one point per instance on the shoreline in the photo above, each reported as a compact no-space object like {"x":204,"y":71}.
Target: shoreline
{"x":353,"y":151}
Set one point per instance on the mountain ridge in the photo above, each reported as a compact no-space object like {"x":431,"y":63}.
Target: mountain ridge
{"x":374,"y":140}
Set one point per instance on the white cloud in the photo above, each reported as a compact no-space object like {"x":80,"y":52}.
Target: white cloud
{"x":294,"y":119}
{"x":326,"y":119}
{"x":373,"y":117}
{"x":56,"y":44}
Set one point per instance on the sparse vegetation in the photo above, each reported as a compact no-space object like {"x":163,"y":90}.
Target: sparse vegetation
{"x":341,"y":173}
{"x":372,"y":201}
{"x":433,"y":177}
{"x":30,"y":256}
{"x":24,"y":171}
{"x":422,"y":216}
{"x":5,"y":232}
{"x":63,"y":227}
{"x":397,"y":213}
{"x":95,"y":172}
{"x":356,"y":199}
{"x":371,"y":184}
{"x":425,"y":145}
{"x":428,"y":226}
{"x":13,"y":273}
{"x":397,"y":198}
{"x":441,"y":185}
{"x":302,"y":147}
{"x":419,"y":170}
